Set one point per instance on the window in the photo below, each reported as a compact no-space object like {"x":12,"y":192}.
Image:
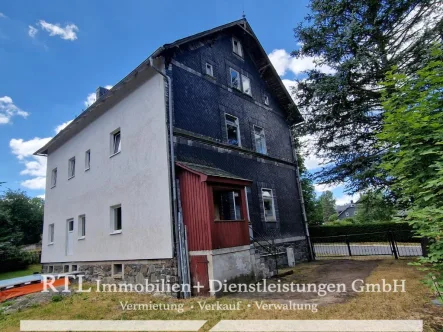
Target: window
{"x":74,"y":268}
{"x":235,"y":79}
{"x":355,"y":213}
{"x":347,"y":214}
{"x":116,"y":219}
{"x":54,"y":178}
{"x":268,"y":205}
{"x":246,"y":85}
{"x":81,"y":227}
{"x":51,"y":234}
{"x":209,"y":69}
{"x":117,"y":271}
{"x":87,"y":160}
{"x":116,"y":142}
{"x":51,"y":269}
{"x":236,"y":47}
{"x":232,"y":130}
{"x":70,"y":225}
{"x":227,"y":205}
{"x":71,"y":168}
{"x":266,"y":100}
{"x":260,"y":140}
{"x":65,"y":268}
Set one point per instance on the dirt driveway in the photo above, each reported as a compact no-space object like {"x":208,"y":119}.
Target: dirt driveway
{"x":320,"y":272}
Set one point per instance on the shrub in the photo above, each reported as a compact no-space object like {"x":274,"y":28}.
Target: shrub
{"x":12,"y":258}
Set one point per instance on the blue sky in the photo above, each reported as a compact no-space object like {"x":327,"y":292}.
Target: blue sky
{"x":54,"y":54}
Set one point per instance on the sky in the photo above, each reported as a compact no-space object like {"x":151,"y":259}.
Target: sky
{"x":54,"y":54}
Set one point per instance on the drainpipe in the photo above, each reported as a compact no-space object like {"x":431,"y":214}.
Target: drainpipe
{"x":172,"y":161}
{"x":302,"y":201}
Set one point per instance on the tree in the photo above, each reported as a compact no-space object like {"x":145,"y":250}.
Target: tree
{"x":21,"y":218}
{"x":327,"y":202}
{"x":413,"y":135}
{"x":373,"y":206}
{"x":360,"y":40}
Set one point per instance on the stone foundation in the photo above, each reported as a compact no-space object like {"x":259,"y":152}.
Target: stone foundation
{"x":160,"y":272}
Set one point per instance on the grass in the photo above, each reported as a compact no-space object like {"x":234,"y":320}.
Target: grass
{"x":21,"y":273}
{"x":413,"y":304}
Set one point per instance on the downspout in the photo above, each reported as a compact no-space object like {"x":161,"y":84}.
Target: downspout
{"x":172,"y":165}
{"x":302,"y":201}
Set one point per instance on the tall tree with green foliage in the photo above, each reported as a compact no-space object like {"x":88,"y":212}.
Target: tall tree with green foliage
{"x":360,"y":40}
{"x":327,"y":203}
{"x":21,"y":218}
{"x":412,"y":136}
{"x":373,"y":206}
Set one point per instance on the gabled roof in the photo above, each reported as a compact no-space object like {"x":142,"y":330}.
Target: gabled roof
{"x":254,"y":47}
{"x":213,"y":174}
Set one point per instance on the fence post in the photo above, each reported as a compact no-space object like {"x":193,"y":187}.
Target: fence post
{"x":394,"y":247}
{"x":349,"y":246}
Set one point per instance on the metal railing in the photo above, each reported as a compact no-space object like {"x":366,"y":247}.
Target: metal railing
{"x":394,"y":244}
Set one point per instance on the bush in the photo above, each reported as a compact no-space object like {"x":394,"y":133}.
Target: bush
{"x":13,"y":258}
{"x":364,"y":232}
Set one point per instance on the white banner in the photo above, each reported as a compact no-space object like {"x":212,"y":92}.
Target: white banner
{"x":111,"y":325}
{"x":319,"y":326}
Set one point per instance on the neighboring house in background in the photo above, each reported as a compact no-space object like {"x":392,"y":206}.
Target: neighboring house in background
{"x":194,"y":140}
{"x":347,"y":210}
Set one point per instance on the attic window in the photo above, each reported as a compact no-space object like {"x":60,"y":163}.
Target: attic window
{"x":209,"y":69}
{"x":236,"y":47}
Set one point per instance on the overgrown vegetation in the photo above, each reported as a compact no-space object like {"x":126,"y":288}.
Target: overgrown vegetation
{"x":412,"y":136}
{"x":21,"y":223}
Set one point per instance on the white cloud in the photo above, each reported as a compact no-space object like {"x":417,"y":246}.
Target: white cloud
{"x":59,"y":128}
{"x":91,"y":98}
{"x":34,"y":166}
{"x":66,"y":33}
{"x":32,"y":31}
{"x":283,"y":61}
{"x":3,"y":15}
{"x":8,"y":109}
{"x":346,"y":199}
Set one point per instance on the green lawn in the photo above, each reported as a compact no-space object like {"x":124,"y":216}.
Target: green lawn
{"x":21,"y":273}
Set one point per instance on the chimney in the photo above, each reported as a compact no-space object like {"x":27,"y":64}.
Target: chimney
{"x":101,"y":91}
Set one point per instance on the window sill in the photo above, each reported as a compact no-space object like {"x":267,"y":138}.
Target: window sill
{"x":87,"y":169}
{"x":271,"y":220}
{"x":53,"y":187}
{"x":50,"y":243}
{"x":112,"y":155}
{"x":117,"y":276}
{"x":81,"y":238}
{"x":71,"y":177}
{"x":210,"y":76}
{"x":238,"y":56}
{"x":115,"y":232}
{"x":236,"y":220}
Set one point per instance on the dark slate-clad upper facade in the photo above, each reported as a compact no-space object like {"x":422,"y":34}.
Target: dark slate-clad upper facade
{"x":205,"y":103}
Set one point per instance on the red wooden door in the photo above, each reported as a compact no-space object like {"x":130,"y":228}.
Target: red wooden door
{"x":199,"y":275}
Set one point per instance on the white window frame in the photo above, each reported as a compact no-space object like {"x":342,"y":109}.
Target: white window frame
{"x":239,"y":49}
{"x":237,"y":124}
{"x":114,"y":150}
{"x":113,"y":225}
{"x":51,"y":233}
{"x":209,"y":69}
{"x":115,"y":274}
{"x":54,"y":178}
{"x":81,"y":227}
{"x":71,"y":168}
{"x":87,"y":160}
{"x":239,"y":88}
{"x":245,"y":79}
{"x":266,"y":100}
{"x":264,"y":138}
{"x":346,"y":214}
{"x":274,"y":217}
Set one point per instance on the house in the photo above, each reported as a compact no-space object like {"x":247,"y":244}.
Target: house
{"x":183,"y":171}
{"x":347,"y":210}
